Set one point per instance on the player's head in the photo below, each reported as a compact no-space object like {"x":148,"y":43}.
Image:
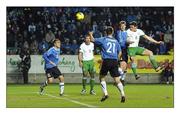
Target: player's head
{"x":57,"y":43}
{"x":87,"y":39}
{"x":109,"y":30}
{"x":133,"y":26}
{"x":122,"y":25}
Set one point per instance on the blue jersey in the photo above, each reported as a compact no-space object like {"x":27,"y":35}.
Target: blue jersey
{"x":110,"y":47}
{"x":51,"y":55}
{"x":121,"y":37}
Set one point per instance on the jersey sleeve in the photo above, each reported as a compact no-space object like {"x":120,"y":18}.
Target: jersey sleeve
{"x":118,"y":48}
{"x":46,"y":54}
{"x":141,"y":33}
{"x":98,"y":41}
{"x":117,"y":36}
{"x":128,"y":36}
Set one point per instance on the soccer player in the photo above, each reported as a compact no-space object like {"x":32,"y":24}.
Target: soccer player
{"x":86,"y":62}
{"x":52,"y":60}
{"x":121,"y":37}
{"x":110,"y":52}
{"x":133,"y":37}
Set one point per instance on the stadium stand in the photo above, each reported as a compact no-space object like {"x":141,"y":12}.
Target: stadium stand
{"x":36,"y":27}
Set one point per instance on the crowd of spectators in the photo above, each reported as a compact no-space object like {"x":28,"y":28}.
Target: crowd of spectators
{"x":36,"y":27}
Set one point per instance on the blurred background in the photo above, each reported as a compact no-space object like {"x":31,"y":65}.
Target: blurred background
{"x":31,"y":30}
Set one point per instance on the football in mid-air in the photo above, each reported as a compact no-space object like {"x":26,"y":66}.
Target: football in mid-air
{"x":79,"y":16}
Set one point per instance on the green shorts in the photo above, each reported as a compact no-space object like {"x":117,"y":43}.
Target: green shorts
{"x":133,"y":51}
{"x":88,"y":66}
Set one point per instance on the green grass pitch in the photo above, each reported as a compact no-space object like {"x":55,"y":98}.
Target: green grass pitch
{"x":137,"y":95}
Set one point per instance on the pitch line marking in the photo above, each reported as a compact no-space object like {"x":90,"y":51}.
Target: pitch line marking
{"x":70,"y":100}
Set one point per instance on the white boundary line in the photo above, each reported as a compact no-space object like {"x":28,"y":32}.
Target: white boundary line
{"x":70,"y":100}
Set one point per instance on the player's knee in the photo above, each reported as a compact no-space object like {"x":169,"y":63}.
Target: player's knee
{"x":132,"y":59}
{"x":92,"y":75}
{"x":50,"y":80}
{"x":123,"y":64}
{"x":101,"y":78}
{"x":61,"y":78}
{"x":85,"y":74}
{"x":116,"y":79}
{"x":150,"y":53}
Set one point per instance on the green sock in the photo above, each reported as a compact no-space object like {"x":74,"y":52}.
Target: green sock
{"x":153,"y":62}
{"x":133,"y":67}
{"x":92,"y":82}
{"x":84,"y":80}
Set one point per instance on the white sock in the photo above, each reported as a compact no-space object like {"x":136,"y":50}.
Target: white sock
{"x":120,"y":87}
{"x":103,"y":86}
{"x":61,"y":85}
{"x":123,"y":76}
{"x":121,"y":73}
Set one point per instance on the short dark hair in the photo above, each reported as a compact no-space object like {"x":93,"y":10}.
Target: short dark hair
{"x":122,"y":22}
{"x":86,"y":35}
{"x":133,"y":23}
{"x":109,"y":30}
{"x":55,"y":40}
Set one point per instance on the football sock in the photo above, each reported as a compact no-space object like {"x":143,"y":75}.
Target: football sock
{"x":44,"y":84}
{"x":92,"y":82}
{"x":153,"y":62}
{"x":103,"y":86}
{"x":124,"y":75}
{"x":120,"y":88}
{"x":84,"y":80}
{"x":61,"y":86}
{"x":120,"y":72}
{"x":133,"y":67}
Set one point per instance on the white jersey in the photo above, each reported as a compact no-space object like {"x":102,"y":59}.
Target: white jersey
{"x":87,"y":51}
{"x":134,"y":36}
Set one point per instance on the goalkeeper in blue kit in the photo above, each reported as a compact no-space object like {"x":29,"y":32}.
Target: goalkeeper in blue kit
{"x":52,"y":60}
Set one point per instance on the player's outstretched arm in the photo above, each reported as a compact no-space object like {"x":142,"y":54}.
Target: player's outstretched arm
{"x":152,"y":40}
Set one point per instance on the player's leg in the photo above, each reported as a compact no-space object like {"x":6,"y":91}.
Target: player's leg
{"x":120,"y":88}
{"x":92,"y":75}
{"x":132,"y":53}
{"x":56,"y":73}
{"x":152,"y":59}
{"x":123,"y":63}
{"x":115,"y":74}
{"x":134,"y":67}
{"x":48,"y":81}
{"x":84,"y":78}
{"x":122,"y":71}
{"x":103,"y":73}
{"x":103,"y":87}
{"x":84,"y":81}
{"x":61,"y":84}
